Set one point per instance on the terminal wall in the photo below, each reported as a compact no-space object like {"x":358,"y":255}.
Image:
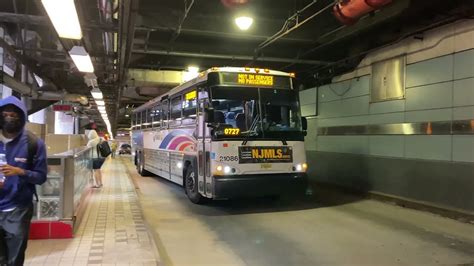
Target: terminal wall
{"x":439,"y":86}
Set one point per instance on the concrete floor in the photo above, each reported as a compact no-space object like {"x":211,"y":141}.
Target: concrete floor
{"x":325,"y":229}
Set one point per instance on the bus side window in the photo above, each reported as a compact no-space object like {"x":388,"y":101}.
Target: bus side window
{"x":139,"y":120}
{"x":150,"y":114}
{"x":175,"y":111}
{"x":157,"y":116}
{"x":133,"y":121}
{"x":144,"y":119}
{"x":164,"y":114}
{"x":189,"y":108}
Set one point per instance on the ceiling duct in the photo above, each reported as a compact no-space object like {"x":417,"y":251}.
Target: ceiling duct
{"x":151,"y":91}
{"x":150,"y":83}
{"x":58,"y":96}
{"x":160,"y":78}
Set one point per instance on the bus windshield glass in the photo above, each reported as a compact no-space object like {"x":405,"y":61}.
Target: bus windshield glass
{"x":256,"y":113}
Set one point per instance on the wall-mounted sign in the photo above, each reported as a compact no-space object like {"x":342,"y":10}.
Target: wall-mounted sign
{"x":62,"y":107}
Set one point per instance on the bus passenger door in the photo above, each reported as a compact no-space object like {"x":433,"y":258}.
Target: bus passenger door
{"x":204,"y":151}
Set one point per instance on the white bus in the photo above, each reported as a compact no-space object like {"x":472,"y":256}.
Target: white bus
{"x":230,"y":132}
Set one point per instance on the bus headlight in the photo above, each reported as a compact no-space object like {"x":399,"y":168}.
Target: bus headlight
{"x":224,"y":169}
{"x":301,"y":167}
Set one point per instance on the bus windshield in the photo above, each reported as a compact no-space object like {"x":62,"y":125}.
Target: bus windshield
{"x":256,"y":113}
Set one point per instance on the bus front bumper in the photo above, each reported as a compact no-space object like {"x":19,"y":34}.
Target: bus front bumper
{"x":236,"y":186}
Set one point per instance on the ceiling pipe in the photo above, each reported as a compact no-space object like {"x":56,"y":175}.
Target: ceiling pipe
{"x":62,"y":96}
{"x":345,"y":31}
{"x":26,"y":89}
{"x":200,"y":32}
{"x":180,"y":25}
{"x":128,"y":10}
{"x":18,"y":86}
{"x":286,"y":29}
{"x":349,"y":12}
{"x":233,"y":57}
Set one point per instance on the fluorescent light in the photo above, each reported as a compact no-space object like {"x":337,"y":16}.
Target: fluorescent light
{"x":99,"y":102}
{"x":244,"y":22}
{"x":97,"y":93}
{"x":81,"y":59}
{"x":63,"y":15}
{"x":193,"y":69}
{"x":192,"y":72}
{"x":102,"y":111}
{"x":101,"y":108}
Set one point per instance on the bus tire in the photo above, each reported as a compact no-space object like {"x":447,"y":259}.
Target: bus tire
{"x":191,"y":186}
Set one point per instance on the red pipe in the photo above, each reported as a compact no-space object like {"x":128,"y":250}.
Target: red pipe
{"x":349,"y":11}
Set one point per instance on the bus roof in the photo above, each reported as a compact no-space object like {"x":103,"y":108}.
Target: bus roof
{"x":202,"y":77}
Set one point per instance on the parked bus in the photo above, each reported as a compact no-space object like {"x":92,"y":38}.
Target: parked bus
{"x":230,"y":132}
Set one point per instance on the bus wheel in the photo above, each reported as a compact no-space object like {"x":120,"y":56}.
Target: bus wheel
{"x":191,"y":186}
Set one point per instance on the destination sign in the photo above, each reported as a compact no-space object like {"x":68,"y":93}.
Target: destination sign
{"x":255,"y":79}
{"x":250,"y":80}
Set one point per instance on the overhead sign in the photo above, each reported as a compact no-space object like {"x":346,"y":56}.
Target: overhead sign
{"x":255,"y":79}
{"x":249,"y":80}
{"x":62,"y":108}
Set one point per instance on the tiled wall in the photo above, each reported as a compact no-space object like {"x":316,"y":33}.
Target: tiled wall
{"x":438,"y":89}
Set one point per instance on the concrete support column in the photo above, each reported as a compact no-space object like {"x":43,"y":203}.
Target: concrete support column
{"x":63,"y":123}
{"x":50,"y":118}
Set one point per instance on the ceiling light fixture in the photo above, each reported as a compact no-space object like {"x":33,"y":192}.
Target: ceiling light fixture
{"x":81,"y":59}
{"x":193,"y":69}
{"x":244,"y":22}
{"x":97,"y":93}
{"x":63,"y":15}
{"x":101,"y":108}
{"x":99,"y":102}
{"x":91,"y":80}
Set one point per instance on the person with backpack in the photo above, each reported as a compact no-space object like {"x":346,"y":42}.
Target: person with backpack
{"x":23,"y":167}
{"x":97,"y":158}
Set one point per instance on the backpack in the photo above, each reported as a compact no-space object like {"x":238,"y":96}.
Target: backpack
{"x":103,"y":149}
{"x":32,"y":148}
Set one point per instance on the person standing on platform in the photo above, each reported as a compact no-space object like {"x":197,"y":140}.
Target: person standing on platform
{"x":97,"y":160}
{"x":113,"y":146}
{"x":23,"y":167}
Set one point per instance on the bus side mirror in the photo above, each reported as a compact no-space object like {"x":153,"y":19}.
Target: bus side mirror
{"x":304,"y":123}
{"x":209,"y":115}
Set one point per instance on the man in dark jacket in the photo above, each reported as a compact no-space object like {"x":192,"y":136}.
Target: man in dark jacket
{"x":20,"y":178}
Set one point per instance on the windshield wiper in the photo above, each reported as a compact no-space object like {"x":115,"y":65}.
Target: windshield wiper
{"x":251,"y":132}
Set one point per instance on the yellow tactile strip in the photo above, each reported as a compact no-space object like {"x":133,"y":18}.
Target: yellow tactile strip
{"x":112,"y":232}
